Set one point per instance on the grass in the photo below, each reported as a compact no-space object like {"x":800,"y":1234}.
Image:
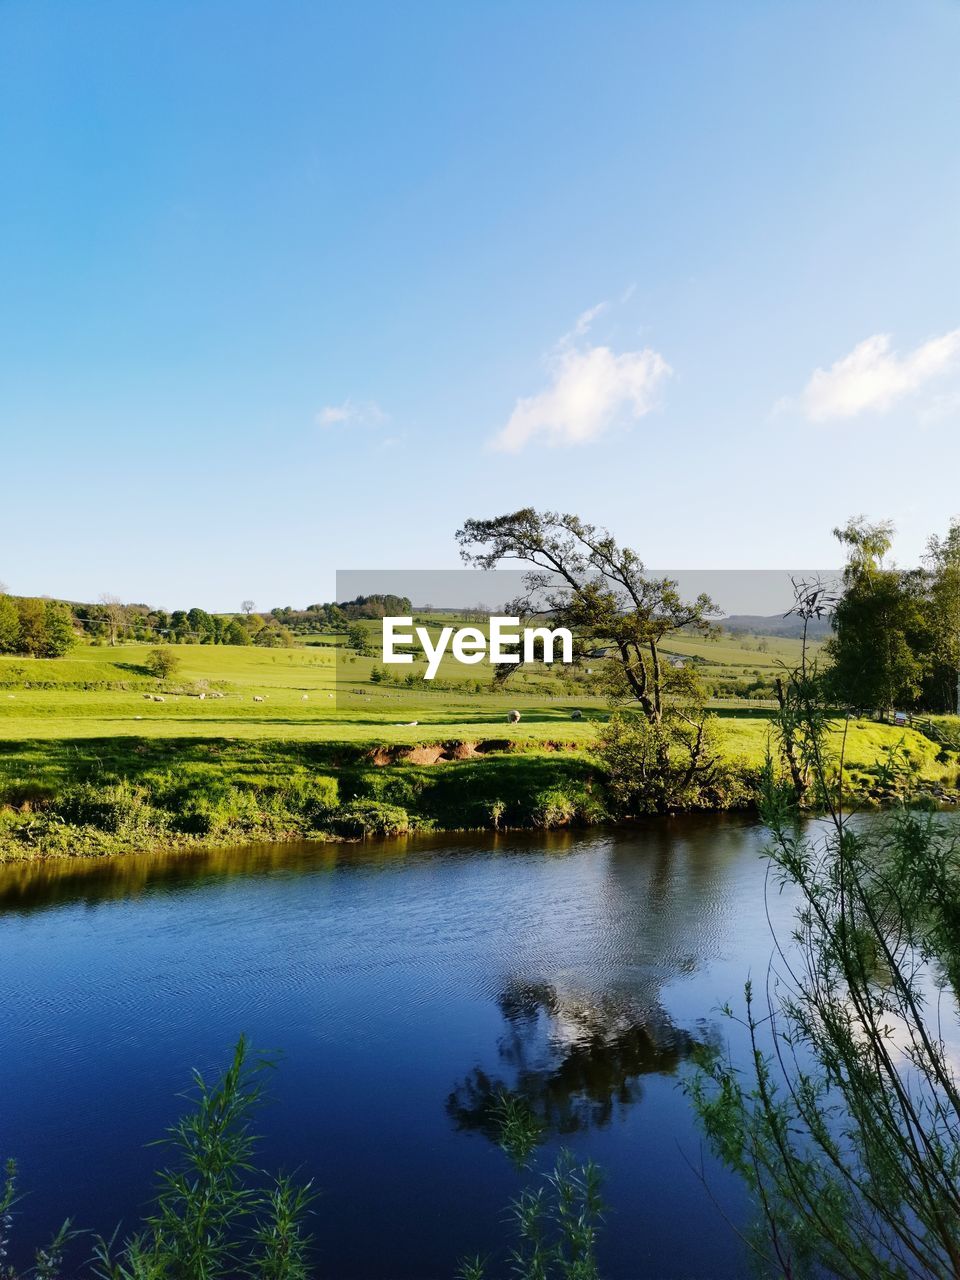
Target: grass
{"x":100,"y":692}
{"x":79,"y":704}
{"x":250,"y":768}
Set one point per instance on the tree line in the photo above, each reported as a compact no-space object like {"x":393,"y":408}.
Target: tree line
{"x":896,"y":632}
{"x":49,"y":628}
{"x":38,"y":628}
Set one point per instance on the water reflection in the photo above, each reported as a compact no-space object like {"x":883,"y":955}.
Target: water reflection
{"x":30,"y":885}
{"x":577,"y":1061}
{"x":406,"y":982}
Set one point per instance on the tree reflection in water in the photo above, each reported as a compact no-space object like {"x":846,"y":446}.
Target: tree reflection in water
{"x":576,"y":1061}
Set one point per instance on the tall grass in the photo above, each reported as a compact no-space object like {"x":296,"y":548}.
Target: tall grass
{"x":212,"y":1217}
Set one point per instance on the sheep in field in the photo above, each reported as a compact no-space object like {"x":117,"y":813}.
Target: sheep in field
{"x":157,"y":698}
{"x":257,"y":697}
{"x":304,"y":697}
{"x":514,"y":717}
{"x":576,"y":715}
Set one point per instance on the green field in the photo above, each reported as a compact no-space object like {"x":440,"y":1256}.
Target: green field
{"x":101,"y":693}
{"x":246,"y":742}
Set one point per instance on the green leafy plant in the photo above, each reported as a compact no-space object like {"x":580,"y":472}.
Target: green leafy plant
{"x":556,"y":1220}
{"x":845,"y":1123}
{"x":212,"y":1219}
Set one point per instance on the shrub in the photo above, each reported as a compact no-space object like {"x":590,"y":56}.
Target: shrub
{"x":845,"y":1125}
{"x":120,"y":809}
{"x":323,"y":797}
{"x":553,"y":808}
{"x":311,"y":797}
{"x":562,"y":806}
{"x":371,"y":818}
{"x":654,"y":767}
{"x":214,"y":810}
{"x":162,"y":663}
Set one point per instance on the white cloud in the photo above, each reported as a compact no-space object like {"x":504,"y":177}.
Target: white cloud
{"x":367,"y":413}
{"x":872,"y":377}
{"x":590,"y":389}
{"x":586,"y":319}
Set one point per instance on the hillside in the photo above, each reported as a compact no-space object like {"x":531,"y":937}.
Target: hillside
{"x":780,"y":625}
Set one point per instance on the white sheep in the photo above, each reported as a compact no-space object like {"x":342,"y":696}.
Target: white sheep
{"x":304,"y":697}
{"x":201,"y":696}
{"x":576,"y":715}
{"x":157,"y":698}
{"x":257,"y":697}
{"x":514,"y":717}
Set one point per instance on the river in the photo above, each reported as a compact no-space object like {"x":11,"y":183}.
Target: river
{"x":402,"y":982}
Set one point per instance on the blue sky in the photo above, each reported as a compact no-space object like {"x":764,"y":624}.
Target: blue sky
{"x":290,"y":288}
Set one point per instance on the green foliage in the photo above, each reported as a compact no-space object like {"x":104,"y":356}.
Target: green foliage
{"x":236,"y":633}
{"x":877,"y":653}
{"x":563,"y":806}
{"x":212,"y":1218}
{"x":358,"y":639}
{"x":371,"y":818}
{"x":47,"y":1260}
{"x":312,"y":796}
{"x":556,"y":1224}
{"x":40,"y":628}
{"x":521,"y":1131}
{"x":162,"y":663}
{"x":846,"y":1123}
{"x":219,"y":807}
{"x":655,"y":766}
{"x":556,"y":1220}
{"x":121,"y":809}
{"x":9,"y":624}
{"x":897,"y":632}
{"x":942,"y":687}
{"x":59,"y":637}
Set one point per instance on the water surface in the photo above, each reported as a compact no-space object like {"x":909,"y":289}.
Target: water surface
{"x":404,"y":982}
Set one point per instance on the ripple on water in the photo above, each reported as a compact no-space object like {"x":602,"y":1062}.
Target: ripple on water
{"x":403,"y":982}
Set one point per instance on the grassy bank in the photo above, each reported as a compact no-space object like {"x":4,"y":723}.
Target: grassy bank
{"x":61,"y":799}
{"x":100,"y":796}
{"x":98,"y":757}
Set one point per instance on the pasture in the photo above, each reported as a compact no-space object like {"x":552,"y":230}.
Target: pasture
{"x":306,"y":696}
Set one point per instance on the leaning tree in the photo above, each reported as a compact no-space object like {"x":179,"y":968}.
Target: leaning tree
{"x":581,"y":578}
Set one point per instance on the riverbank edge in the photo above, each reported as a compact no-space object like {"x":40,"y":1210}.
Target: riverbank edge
{"x":123,"y":797}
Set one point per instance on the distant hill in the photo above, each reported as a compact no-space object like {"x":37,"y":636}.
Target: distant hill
{"x":777,"y":625}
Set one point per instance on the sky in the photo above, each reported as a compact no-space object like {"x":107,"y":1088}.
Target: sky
{"x":292,"y":288}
